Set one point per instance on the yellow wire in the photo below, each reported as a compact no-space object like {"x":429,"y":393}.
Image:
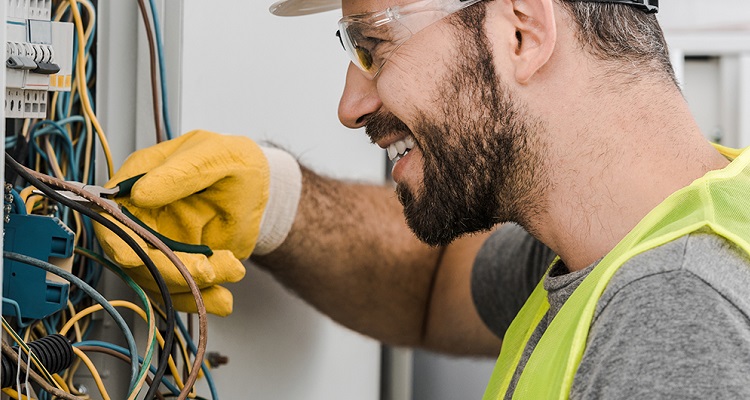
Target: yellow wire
{"x":94,"y":372}
{"x":53,"y":104}
{"x":26,"y":192}
{"x":151,"y":332}
{"x":27,"y":335}
{"x":70,"y":373}
{"x":53,"y":160}
{"x":61,"y":382}
{"x":12,"y":393}
{"x":79,"y":335}
{"x":89,"y":144}
{"x":83,"y":95}
{"x":61,"y":11}
{"x":25,"y":129}
{"x":32,"y":201}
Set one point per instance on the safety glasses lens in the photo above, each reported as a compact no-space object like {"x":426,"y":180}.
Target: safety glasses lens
{"x":359,"y":46}
{"x":365,"y":58}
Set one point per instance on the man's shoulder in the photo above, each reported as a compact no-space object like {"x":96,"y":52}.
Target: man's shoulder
{"x":673,"y":323}
{"x":700,"y":259}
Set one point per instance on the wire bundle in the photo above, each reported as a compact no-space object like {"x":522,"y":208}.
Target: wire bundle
{"x":62,"y":148}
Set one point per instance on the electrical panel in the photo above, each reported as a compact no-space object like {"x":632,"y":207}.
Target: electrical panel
{"x":38,"y":57}
{"x":58,"y":284}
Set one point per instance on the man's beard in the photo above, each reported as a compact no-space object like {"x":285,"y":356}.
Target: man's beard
{"x":481,"y":156}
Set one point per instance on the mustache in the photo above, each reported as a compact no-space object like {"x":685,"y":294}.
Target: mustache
{"x":382,"y":123}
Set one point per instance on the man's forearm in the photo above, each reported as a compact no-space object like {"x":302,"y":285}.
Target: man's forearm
{"x":351,"y":255}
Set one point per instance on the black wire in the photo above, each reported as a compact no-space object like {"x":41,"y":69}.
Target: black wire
{"x":51,"y":193}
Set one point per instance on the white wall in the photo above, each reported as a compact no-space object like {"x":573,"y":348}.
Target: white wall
{"x":247,"y":72}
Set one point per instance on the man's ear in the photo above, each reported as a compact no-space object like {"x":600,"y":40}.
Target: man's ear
{"x":536,"y":35}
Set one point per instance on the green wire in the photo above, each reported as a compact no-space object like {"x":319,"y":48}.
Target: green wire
{"x":141,"y":295}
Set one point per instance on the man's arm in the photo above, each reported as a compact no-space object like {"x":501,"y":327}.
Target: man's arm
{"x":351,"y":255}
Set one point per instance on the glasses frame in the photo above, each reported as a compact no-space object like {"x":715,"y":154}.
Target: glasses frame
{"x":394,"y":15}
{"x":441,"y":8}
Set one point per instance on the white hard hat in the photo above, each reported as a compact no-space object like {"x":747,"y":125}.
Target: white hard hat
{"x":289,"y":8}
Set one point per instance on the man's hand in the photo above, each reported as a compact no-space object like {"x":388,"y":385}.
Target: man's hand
{"x":201,"y":188}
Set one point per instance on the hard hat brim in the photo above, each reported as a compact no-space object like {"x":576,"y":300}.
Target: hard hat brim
{"x":289,"y":8}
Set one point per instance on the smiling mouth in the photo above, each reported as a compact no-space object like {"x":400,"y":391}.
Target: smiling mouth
{"x":400,"y":148}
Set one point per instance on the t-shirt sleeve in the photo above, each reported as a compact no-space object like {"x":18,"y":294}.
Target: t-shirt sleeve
{"x":506,"y":270}
{"x":668,"y":335}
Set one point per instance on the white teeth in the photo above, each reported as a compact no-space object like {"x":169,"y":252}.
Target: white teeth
{"x":392,"y":152}
{"x":399,"y":149}
{"x":400,"y":146}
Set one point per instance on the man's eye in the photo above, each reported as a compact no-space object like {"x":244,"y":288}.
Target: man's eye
{"x":369,"y":49}
{"x":365,"y":57}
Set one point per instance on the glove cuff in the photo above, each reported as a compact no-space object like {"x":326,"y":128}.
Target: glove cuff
{"x":283,"y":197}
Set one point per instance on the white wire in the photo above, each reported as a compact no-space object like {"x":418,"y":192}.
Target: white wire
{"x":18,"y":372}
{"x":28,"y":367}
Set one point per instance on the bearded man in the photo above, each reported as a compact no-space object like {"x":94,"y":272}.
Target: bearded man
{"x":560,"y":118}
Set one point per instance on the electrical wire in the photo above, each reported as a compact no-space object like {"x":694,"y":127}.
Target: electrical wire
{"x":154,"y":337}
{"x":119,"y":356}
{"x":94,"y":372}
{"x":160,"y":51}
{"x":83,"y":92}
{"x":37,"y":179}
{"x":152,"y":334}
{"x":206,"y":371}
{"x":152,"y":64}
{"x":91,"y":292}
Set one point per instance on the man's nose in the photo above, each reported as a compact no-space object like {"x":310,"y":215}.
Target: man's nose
{"x":359,"y":99}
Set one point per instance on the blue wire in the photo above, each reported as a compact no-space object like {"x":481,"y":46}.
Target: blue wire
{"x":18,"y":204}
{"x":124,"y":351}
{"x":57,"y":130}
{"x":194,"y":349}
{"x":159,"y":45}
{"x":11,"y":142}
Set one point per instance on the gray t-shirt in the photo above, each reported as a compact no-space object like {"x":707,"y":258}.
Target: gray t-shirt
{"x":672,"y":323}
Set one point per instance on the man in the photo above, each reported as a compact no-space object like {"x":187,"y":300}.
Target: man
{"x":561,"y":116}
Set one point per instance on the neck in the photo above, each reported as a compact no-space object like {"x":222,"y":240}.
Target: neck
{"x":618,"y":162}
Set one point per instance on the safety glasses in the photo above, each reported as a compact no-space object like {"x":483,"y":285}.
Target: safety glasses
{"x":371,"y":38}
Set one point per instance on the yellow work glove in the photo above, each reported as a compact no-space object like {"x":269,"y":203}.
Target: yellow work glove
{"x":210,"y":189}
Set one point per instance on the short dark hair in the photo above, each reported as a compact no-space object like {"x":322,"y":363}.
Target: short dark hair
{"x":622,"y":34}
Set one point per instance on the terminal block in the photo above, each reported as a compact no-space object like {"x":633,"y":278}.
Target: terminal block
{"x":27,"y":293}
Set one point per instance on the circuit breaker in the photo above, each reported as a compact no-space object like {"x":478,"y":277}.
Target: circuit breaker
{"x":38,"y":57}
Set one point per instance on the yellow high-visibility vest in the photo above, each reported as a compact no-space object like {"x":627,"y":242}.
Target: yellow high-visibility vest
{"x":719,"y":201}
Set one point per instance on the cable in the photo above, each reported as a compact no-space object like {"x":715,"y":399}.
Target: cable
{"x":160,"y":50}
{"x":31,"y":177}
{"x":83,"y":92}
{"x":152,"y":334}
{"x":152,"y":63}
{"x":146,"y":315}
{"x":164,"y":380}
{"x":119,"y":356}
{"x":94,"y":372}
{"x":91,"y":292}
{"x":36,"y":179}
{"x":204,"y":368}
